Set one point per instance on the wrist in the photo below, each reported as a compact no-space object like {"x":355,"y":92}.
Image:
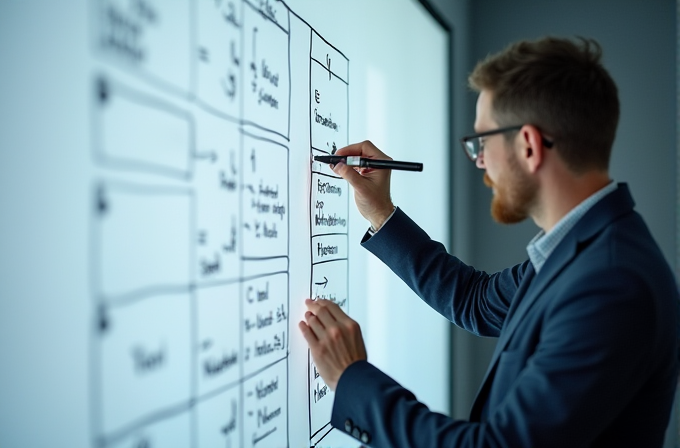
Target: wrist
{"x":379,"y":219}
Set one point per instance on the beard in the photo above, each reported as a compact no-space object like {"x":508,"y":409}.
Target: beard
{"x":514,"y":194}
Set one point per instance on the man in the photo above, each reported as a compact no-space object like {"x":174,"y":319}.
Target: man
{"x":587,"y":350}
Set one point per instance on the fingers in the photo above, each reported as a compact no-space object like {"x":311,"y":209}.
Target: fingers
{"x":327,"y":311}
{"x":348,"y":173}
{"x":363,"y":149}
{"x":308,"y":334}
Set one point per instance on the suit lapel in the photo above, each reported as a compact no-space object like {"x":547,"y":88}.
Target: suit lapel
{"x":532,"y":287}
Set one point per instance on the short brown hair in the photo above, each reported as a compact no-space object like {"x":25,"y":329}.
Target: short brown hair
{"x":559,"y":86}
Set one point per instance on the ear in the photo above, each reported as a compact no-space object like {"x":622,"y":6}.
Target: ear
{"x":531,"y":149}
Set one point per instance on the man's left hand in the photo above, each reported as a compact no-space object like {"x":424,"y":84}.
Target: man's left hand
{"x":334,"y":339}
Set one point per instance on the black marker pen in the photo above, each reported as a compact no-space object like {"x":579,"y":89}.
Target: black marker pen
{"x":371,"y":163}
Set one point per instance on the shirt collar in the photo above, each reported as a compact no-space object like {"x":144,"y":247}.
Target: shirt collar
{"x":543,"y":244}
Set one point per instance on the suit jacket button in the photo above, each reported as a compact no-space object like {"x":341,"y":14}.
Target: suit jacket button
{"x":365,"y":438}
{"x":349,"y":426}
{"x":356,"y":433}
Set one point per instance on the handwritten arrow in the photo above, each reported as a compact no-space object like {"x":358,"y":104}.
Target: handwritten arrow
{"x":324,"y":283}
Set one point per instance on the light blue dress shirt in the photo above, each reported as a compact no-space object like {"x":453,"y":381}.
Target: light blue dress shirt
{"x":542,"y":245}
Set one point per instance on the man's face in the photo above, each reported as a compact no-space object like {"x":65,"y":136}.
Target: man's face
{"x":514,"y":190}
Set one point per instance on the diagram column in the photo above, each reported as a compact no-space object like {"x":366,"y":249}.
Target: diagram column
{"x":329,"y":89}
{"x":265,"y":234}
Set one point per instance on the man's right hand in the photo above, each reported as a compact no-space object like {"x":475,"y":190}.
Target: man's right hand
{"x":371,"y":186}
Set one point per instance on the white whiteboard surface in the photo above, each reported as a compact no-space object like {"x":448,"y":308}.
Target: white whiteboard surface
{"x":161,"y":221}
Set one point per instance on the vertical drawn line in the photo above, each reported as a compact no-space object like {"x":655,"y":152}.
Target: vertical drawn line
{"x":311,"y":247}
{"x":348,"y":201}
{"x":241,"y":306}
{"x":290,"y":81}
{"x":193,"y":219}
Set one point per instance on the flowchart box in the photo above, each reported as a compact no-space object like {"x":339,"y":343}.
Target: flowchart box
{"x":146,"y":38}
{"x":266,"y":408}
{"x":265,"y":321}
{"x":330,"y":206}
{"x":145,"y":359}
{"x":265,"y":198}
{"x":134,"y":131}
{"x":266,"y":67}
{"x":327,"y":248}
{"x":143,"y":239}
{"x":329,"y":282}
{"x":329,"y":84}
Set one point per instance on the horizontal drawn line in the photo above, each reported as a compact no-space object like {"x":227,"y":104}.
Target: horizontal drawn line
{"x":251,"y":123}
{"x":327,"y":175}
{"x":275,"y":257}
{"x":321,"y":430}
{"x":144,"y":293}
{"x":215,"y":283}
{"x":257,"y":439}
{"x":145,"y":421}
{"x":219,"y":391}
{"x":153,"y":80}
{"x":330,"y":234}
{"x":329,"y":261}
{"x":320,"y":150}
{"x":329,"y":44}
{"x":269,"y":274}
{"x":312,"y":28}
{"x":332,"y":72}
{"x":123,"y":164}
{"x":144,"y":189}
{"x":262,"y":369}
{"x":264,"y":139}
{"x":211,"y":110}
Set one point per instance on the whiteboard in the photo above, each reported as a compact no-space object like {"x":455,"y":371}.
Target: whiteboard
{"x":163,"y":222}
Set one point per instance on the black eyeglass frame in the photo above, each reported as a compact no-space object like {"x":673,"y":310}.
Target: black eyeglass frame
{"x":463,"y":141}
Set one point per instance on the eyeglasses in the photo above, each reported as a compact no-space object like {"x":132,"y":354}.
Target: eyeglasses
{"x":473,"y":145}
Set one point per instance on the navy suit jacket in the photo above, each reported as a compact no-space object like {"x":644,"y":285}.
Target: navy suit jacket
{"x":587,"y":354}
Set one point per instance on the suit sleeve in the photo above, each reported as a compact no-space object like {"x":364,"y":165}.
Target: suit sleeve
{"x":472,"y":299}
{"x":595,"y":351}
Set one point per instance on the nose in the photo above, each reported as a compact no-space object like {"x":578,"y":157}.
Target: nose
{"x":480,"y":161}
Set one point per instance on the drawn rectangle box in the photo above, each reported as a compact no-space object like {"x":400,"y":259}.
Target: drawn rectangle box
{"x":146,"y":37}
{"x":329,"y":282}
{"x":143,"y":240}
{"x":330,"y":205}
{"x":329,"y":84}
{"x":218,"y":420}
{"x":144,"y":362}
{"x":265,"y":321}
{"x":320,"y":403}
{"x":265,"y":408}
{"x":137,"y":132}
{"x":329,"y":109}
{"x":327,"y":248}
{"x":219,"y":342}
{"x":265,"y":198}
{"x":266,"y":67}
{"x":330,"y":57}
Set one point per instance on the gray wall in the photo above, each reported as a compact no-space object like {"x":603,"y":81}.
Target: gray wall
{"x":639,"y":42}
